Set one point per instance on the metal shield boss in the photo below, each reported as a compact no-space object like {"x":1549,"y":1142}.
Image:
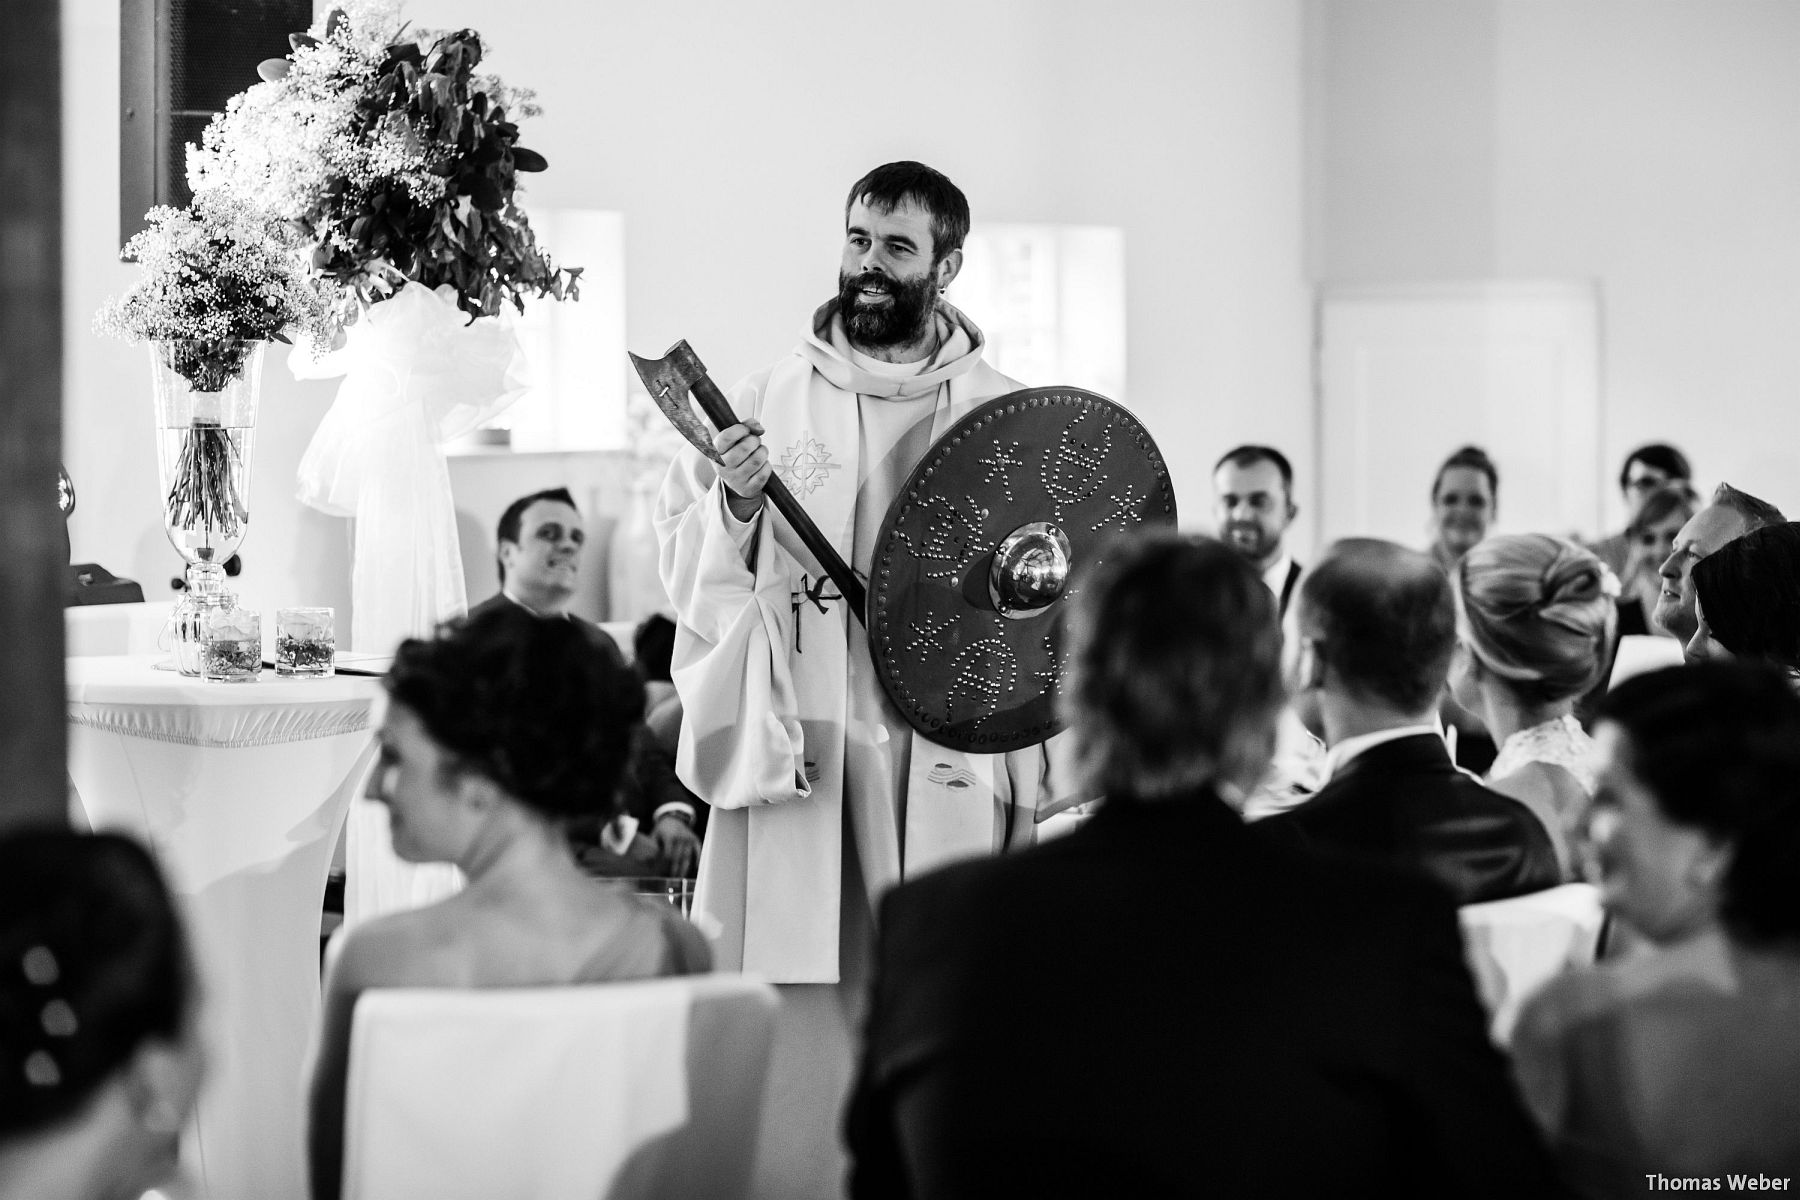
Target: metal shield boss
{"x":982,"y":550}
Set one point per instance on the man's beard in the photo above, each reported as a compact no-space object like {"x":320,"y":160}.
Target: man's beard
{"x":903,"y":320}
{"x":1248,"y":539}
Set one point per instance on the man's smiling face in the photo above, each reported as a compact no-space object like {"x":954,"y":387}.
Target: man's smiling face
{"x":887,"y":280}
{"x":1704,"y":533}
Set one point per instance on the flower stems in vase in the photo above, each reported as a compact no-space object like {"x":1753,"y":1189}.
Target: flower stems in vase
{"x":205,"y":497}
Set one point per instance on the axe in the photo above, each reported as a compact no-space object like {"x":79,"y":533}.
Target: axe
{"x":679,"y":374}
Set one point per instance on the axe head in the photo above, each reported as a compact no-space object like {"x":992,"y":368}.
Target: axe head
{"x":670,"y":380}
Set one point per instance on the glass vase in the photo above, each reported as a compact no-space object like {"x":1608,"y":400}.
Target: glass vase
{"x":206,"y":392}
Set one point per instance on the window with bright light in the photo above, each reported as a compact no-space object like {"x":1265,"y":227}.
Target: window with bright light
{"x":1051,"y":299}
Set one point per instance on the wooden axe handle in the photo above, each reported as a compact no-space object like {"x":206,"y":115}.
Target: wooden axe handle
{"x":718,"y":411}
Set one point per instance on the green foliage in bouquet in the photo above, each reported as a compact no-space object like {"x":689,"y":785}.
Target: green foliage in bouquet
{"x":216,"y":280}
{"x":393,"y":158}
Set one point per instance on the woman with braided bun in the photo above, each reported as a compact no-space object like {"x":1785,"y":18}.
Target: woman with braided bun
{"x":1535,"y":624}
{"x":498,"y":731}
{"x":100,"y":1062}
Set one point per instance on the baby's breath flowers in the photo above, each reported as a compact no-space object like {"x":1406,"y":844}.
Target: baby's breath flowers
{"x":216,"y":279}
{"x":392,"y":158}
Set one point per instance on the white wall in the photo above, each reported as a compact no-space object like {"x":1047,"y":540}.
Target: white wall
{"x":1648,"y":146}
{"x":728,"y":133}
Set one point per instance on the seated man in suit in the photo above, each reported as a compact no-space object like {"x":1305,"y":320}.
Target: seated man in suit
{"x":539,"y":544}
{"x":1377,"y":628}
{"x":1162,"y":1003}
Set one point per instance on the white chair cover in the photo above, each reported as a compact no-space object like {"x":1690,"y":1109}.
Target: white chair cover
{"x":1516,"y":946}
{"x":622,"y":1090}
{"x":1641,"y":652}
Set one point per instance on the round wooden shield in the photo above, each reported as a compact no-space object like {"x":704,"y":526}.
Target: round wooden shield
{"x":983,"y":547}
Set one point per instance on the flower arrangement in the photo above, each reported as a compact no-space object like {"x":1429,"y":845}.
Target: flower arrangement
{"x":392,"y":158}
{"x":216,"y":280}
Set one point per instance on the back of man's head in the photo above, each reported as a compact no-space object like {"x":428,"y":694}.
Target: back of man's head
{"x":1383,"y":622}
{"x":510,"y":520}
{"x":653,"y":647}
{"x":1174,"y":676}
{"x":1757,"y":514}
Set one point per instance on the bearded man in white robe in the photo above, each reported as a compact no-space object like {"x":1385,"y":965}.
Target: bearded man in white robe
{"x":823,"y":796}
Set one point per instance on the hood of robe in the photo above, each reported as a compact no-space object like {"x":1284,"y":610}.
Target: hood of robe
{"x":827,"y":347}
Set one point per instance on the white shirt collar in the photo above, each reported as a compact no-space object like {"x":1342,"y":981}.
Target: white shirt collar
{"x":1351,"y":747}
{"x":1276,"y":576}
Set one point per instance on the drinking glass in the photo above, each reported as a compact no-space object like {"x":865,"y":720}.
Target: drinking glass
{"x":304,"y":643}
{"x":231,"y":644}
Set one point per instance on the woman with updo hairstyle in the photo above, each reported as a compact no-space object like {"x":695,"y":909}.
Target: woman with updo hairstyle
{"x":1535,"y":626}
{"x":1683,"y":1059}
{"x":1464,"y":494}
{"x":1747,"y":599}
{"x":498,"y":731}
{"x":100,"y":1060}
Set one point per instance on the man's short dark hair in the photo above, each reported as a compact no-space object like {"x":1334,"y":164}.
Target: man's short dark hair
{"x":1757,"y":514}
{"x":1385,"y":621}
{"x":1658,"y":456}
{"x":510,"y":520}
{"x":891,"y":184}
{"x":1250,"y":455}
{"x":1718,"y":745}
{"x":1174,"y":676}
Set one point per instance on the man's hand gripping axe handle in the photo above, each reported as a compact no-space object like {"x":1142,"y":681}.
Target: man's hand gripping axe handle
{"x":672,"y":379}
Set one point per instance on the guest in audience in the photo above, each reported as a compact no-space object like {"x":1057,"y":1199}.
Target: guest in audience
{"x":1747,"y":599}
{"x":1253,"y":504}
{"x":1463,"y":499}
{"x":1651,"y":539}
{"x":1731,"y":515}
{"x":97,"y":1019}
{"x":1647,"y":470}
{"x":497,"y":731}
{"x":1376,"y":631}
{"x":1160,"y":1003}
{"x":539,"y":542}
{"x":1683,"y":1062}
{"x":652,"y":651}
{"x":1534,"y":628}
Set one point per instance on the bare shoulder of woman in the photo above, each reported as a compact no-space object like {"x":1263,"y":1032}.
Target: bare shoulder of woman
{"x":403,"y":949}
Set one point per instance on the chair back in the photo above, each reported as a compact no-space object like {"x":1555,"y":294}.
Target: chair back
{"x":1516,"y":946}
{"x":618,"y":1091}
{"x":1641,"y":652}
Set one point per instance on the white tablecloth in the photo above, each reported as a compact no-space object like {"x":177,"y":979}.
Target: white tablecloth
{"x":240,"y":790}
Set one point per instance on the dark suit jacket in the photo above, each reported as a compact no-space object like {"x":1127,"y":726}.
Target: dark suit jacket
{"x":649,"y":780}
{"x":1160,"y":1004}
{"x":1405,"y":802}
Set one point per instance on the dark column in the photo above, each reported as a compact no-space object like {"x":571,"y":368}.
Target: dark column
{"x":33,"y":738}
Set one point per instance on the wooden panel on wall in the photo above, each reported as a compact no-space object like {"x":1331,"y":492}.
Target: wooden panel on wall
{"x":32,"y":547}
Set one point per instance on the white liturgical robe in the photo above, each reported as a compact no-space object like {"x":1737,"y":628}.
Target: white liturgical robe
{"x":787,"y":732}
